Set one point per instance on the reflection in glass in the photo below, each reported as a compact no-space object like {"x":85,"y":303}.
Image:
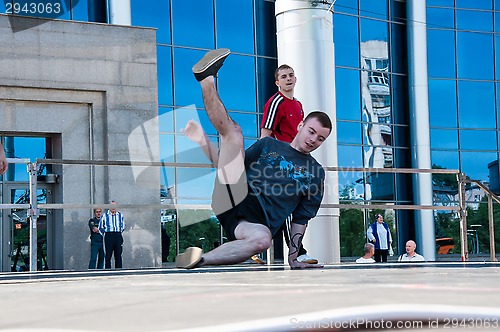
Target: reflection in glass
{"x":441,"y":53}
{"x":372,"y":30}
{"x":440,"y":18}
{"x":193,"y":25}
{"x":230,"y":84}
{"x":474,"y":20}
{"x":247,"y":122}
{"x":79,"y":12}
{"x":24,"y":147}
{"x":443,"y":103}
{"x":195,"y":185}
{"x":187,"y":151}
{"x":348,"y":94}
{"x":475,"y":164}
{"x":351,"y":185}
{"x":375,"y":9}
{"x":164,"y":69}
{"x":350,"y":156}
{"x":187,"y":89}
{"x":348,"y":132}
{"x":444,"y":3}
{"x":167,"y":148}
{"x":445,"y":159}
{"x":235,"y":31}
{"x":444,"y":139}
{"x":155,"y":14}
{"x":346,"y":40}
{"x":166,"y":119}
{"x":346,"y":6}
{"x":478,"y":140}
{"x":476,"y":104}
{"x":265,"y":21}
{"x":474,"y":4}
{"x":184,"y":114}
{"x":469,"y":46}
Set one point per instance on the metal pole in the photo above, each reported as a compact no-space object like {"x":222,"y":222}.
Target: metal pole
{"x":33,"y":215}
{"x":463,"y":217}
{"x":491,"y":229}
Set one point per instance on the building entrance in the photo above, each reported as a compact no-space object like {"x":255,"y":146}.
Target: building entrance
{"x":16,"y":232}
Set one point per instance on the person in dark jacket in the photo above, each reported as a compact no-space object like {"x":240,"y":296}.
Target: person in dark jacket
{"x":96,"y":241}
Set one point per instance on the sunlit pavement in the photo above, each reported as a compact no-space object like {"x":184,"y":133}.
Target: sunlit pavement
{"x":254,"y":297}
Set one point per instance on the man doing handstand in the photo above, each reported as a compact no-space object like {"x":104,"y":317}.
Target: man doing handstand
{"x":257,"y":189}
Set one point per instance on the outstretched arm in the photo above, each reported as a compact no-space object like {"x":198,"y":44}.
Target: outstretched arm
{"x":297,"y":232}
{"x":195,"y":133}
{"x":3,"y":161}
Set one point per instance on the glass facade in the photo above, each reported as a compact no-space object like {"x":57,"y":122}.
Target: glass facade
{"x":372,"y":100}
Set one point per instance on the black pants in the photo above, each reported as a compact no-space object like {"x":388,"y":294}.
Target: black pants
{"x":285,"y":229}
{"x":381,"y":255}
{"x":113,"y":242}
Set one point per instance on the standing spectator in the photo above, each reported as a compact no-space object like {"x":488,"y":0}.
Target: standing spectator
{"x":282,"y":115}
{"x":96,"y":241}
{"x":411,"y":255}
{"x":378,"y":233}
{"x":368,"y":256}
{"x":3,"y":160}
{"x":111,"y":227}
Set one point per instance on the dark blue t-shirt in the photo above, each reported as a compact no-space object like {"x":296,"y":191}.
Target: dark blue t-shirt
{"x":285,"y":181}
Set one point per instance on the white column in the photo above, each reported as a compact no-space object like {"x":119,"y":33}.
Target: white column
{"x":305,"y":42}
{"x":419,"y":125}
{"x":119,"y":12}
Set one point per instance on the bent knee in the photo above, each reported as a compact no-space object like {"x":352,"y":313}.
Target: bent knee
{"x":262,"y":243}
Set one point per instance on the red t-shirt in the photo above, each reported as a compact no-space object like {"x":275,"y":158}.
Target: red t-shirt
{"x":282,"y":116}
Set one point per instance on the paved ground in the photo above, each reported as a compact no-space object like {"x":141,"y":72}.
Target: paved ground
{"x":255,"y":298}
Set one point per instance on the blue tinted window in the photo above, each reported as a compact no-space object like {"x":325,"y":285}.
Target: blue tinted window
{"x":153,"y":13}
{"x":348,"y":94}
{"x":375,"y":9}
{"x":445,"y":159}
{"x":80,"y":10}
{"x":265,"y":21}
{"x":346,"y":41}
{"x":346,"y":6}
{"x":441,"y":53}
{"x":475,"y":4}
{"x":247,"y":122}
{"x":478,"y":140}
{"x":440,"y":18}
{"x":443,"y":3}
{"x":443,"y":103}
{"x":187,"y":89}
{"x":474,"y":20}
{"x":24,"y":148}
{"x":55,"y":9}
{"x":184,"y":114}
{"x":164,"y":67}
{"x":187,"y":151}
{"x":166,"y":119}
{"x":373,"y":30}
{"x":497,"y":56}
{"x":235,"y":94}
{"x":469,"y":46}
{"x":235,"y":31}
{"x":194,"y":182}
{"x":476,"y":104}
{"x":444,"y":139}
{"x":349,"y":156}
{"x":475,"y":164}
{"x":167,"y":177}
{"x":349,"y":132}
{"x":167,"y":148}
{"x":193,"y":23}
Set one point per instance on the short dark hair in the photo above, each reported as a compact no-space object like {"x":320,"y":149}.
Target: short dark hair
{"x":322,"y":118}
{"x":284,"y":66}
{"x":368,"y":247}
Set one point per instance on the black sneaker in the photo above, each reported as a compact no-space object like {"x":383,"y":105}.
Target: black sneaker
{"x":210,"y":64}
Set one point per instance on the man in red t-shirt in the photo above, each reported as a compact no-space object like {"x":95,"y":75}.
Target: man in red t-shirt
{"x":282,"y":116}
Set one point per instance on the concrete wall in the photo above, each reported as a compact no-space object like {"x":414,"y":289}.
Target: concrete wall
{"x":93,"y":89}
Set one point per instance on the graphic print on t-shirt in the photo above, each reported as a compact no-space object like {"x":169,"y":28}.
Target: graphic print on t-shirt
{"x":287,"y":168}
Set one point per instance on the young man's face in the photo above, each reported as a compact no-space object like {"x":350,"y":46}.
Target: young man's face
{"x":286,"y":80}
{"x":98,"y":213}
{"x":310,"y":136}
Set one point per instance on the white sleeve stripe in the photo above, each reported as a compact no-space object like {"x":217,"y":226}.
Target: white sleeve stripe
{"x":273,"y":109}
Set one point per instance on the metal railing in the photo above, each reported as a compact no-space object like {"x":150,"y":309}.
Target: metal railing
{"x":34,"y":207}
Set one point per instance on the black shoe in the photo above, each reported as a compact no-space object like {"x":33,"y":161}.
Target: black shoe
{"x":210,"y":64}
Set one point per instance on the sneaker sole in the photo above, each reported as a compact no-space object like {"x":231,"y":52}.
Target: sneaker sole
{"x":257,"y":260}
{"x":310,"y":261}
{"x":189,"y":258}
{"x":209,"y":59}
